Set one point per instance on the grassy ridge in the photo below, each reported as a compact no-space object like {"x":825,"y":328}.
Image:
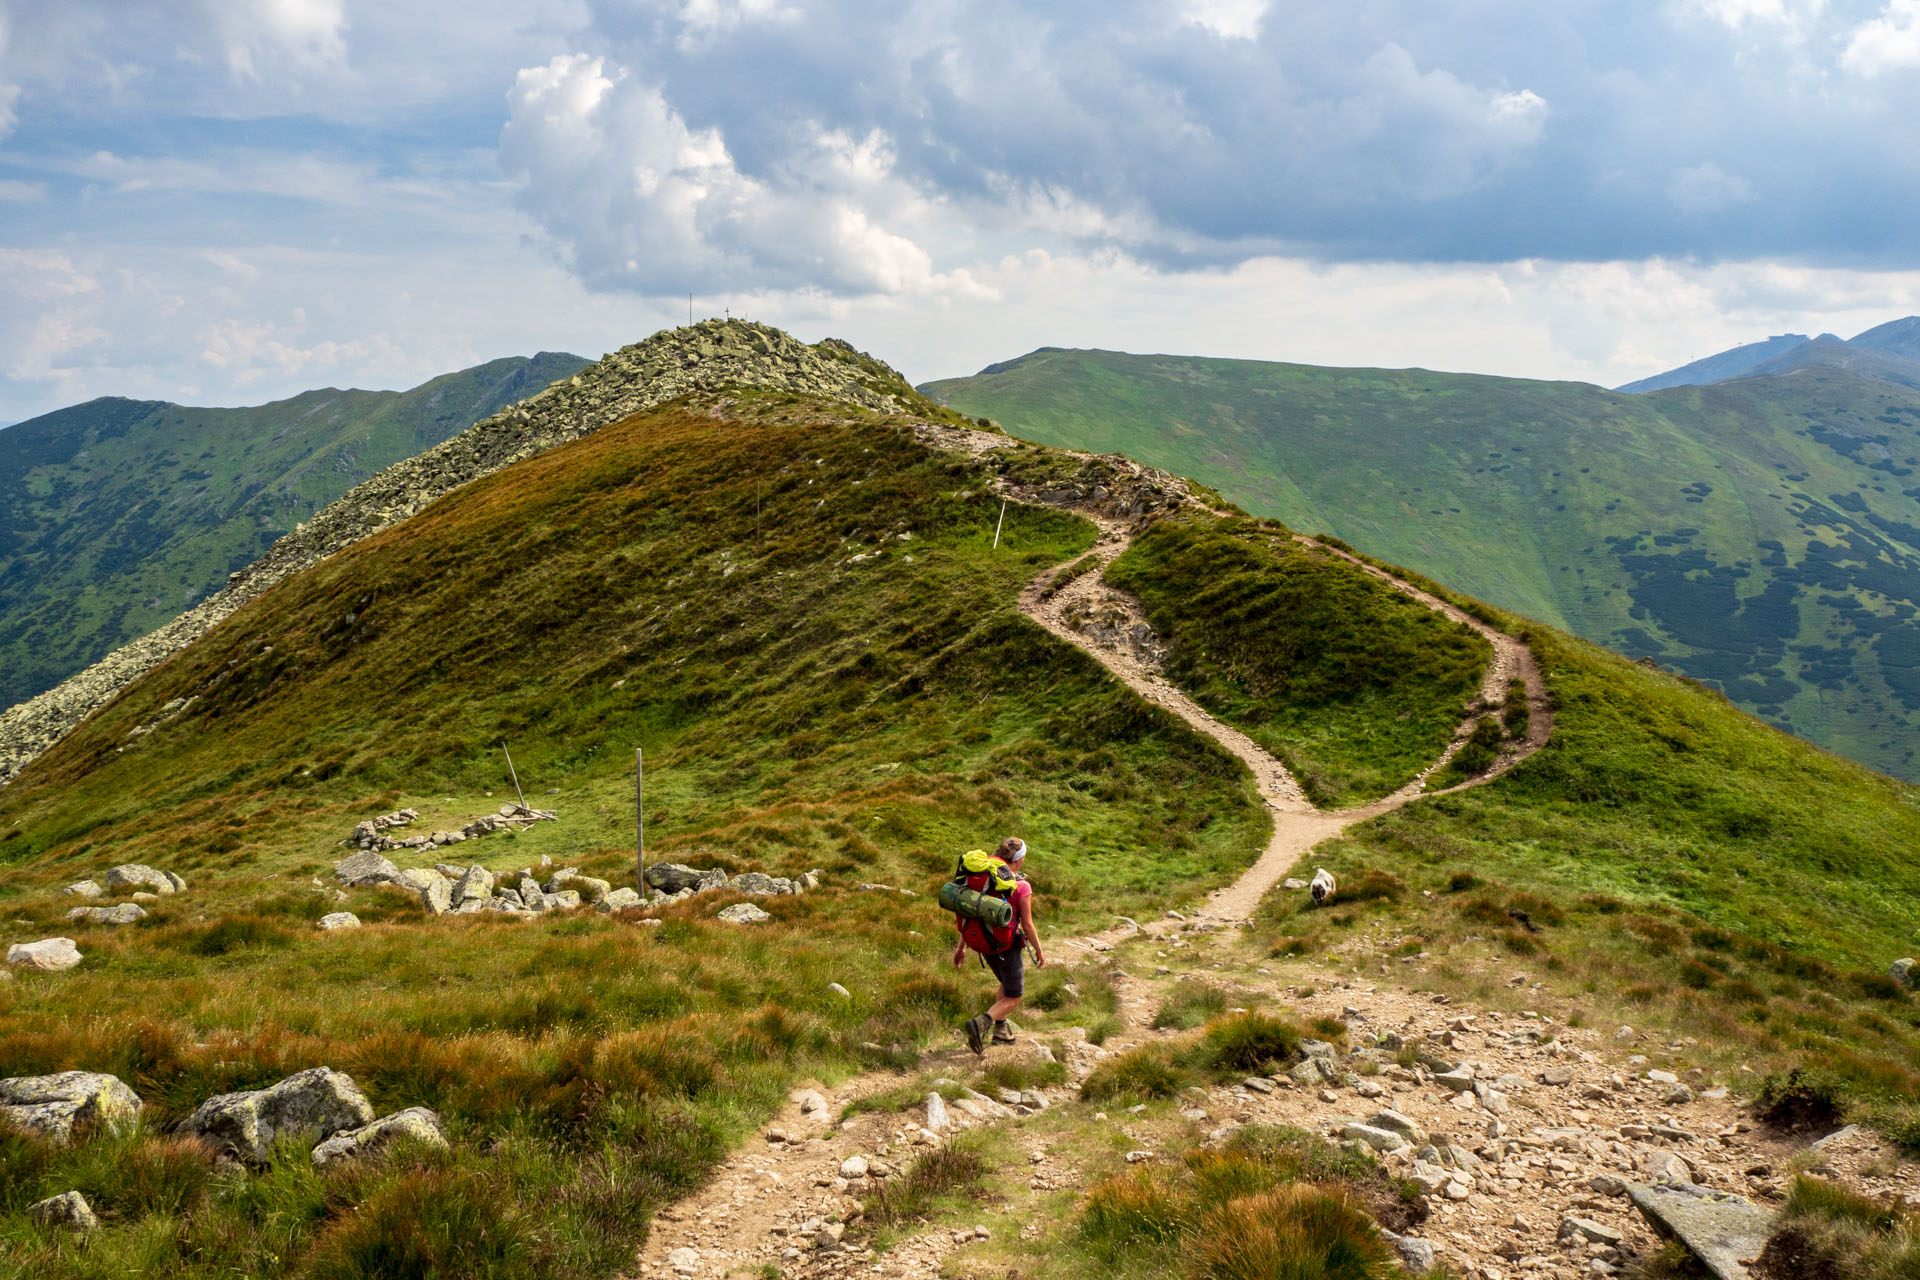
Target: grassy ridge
{"x":1762,"y":536}
{"x":1354,"y":686}
{"x":676,"y":581}
{"x":117,"y":515}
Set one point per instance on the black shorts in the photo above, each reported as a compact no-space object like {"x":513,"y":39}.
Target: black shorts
{"x":1010,"y":966}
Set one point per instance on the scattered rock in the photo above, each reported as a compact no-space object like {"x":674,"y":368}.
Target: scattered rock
{"x":52,"y":1105}
{"x":592,"y":889}
{"x":1397,"y":1123}
{"x":68,"y":1209}
{"x":937,"y":1118}
{"x":1416,"y":1255}
{"x":436,"y":895}
{"x":339,"y":920}
{"x":415,"y":1123}
{"x":1589,"y":1230}
{"x":118,"y":913}
{"x":840,"y":991}
{"x":675,"y":877}
{"x":135,"y":875}
{"x":364,"y":868}
{"x":853,"y":1167}
{"x":742,"y":913}
{"x":1904,"y":973}
{"x":49,"y":955}
{"x":1373,"y":1136}
{"x":620,"y":899}
{"x":319,"y":1100}
{"x":84,"y":889}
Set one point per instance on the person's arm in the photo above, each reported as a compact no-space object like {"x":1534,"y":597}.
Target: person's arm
{"x":1033,"y":935}
{"x":959,"y":948}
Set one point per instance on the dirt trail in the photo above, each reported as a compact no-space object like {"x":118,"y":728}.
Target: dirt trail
{"x":1107,"y":624}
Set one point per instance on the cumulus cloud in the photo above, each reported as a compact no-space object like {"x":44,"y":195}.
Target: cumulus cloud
{"x":1890,"y":42}
{"x":639,"y":199}
{"x":255,"y":35}
{"x":1228,"y":19}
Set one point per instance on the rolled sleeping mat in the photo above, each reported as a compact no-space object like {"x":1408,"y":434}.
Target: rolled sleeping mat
{"x":975,"y":905}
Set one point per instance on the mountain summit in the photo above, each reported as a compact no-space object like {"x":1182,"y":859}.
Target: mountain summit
{"x":710,"y":356}
{"x":1889,"y":352}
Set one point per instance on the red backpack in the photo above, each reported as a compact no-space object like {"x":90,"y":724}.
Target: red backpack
{"x":986,"y":874}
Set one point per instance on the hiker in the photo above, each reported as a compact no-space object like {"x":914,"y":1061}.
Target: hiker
{"x":1003,"y":949}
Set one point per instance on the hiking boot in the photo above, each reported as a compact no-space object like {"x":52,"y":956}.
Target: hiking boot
{"x":977,"y":1027}
{"x":1002,"y":1033}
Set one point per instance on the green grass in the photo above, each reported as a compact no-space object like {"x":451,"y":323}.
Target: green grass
{"x":1763,"y":535}
{"x":798,"y":709}
{"x":1826,"y":1231}
{"x":124,"y":513}
{"x":1273,"y":1201}
{"x":1681,"y":867}
{"x":1353,"y":685}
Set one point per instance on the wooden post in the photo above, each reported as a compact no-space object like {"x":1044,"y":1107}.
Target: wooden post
{"x":512,"y":774}
{"x":640,"y":820}
{"x":998,"y":524}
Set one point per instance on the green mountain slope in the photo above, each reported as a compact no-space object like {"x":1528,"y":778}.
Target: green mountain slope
{"x":116,"y":515}
{"x":797,"y":607}
{"x":1761,"y":535}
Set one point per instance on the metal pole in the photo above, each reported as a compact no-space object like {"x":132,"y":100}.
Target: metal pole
{"x":515,"y":776}
{"x":998,"y":523}
{"x":640,"y":819}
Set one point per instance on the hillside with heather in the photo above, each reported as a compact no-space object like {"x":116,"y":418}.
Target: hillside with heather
{"x":1761,"y":535}
{"x":118,"y":515}
{"x":855,"y":634}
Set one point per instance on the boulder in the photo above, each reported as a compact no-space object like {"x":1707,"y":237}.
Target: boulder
{"x":672,"y":877}
{"x":559,"y":878}
{"x":137,"y":875}
{"x":415,"y":1123}
{"x":318,"y":1101}
{"x":742,"y":913}
{"x":1374,"y":1136}
{"x":937,"y":1118}
{"x":618,"y":900}
{"x":69,"y":1209}
{"x":437,"y":895}
{"x":592,"y":888}
{"x":179,"y":885}
{"x":565,"y":900}
{"x":49,"y":955}
{"x":416,"y":879}
{"x":1397,"y":1123}
{"x":530,"y":895}
{"x":118,"y":913}
{"x":91,"y":889}
{"x":52,"y":1105}
{"x":1418,"y":1256}
{"x":339,"y":920}
{"x":1904,"y":973}
{"x":1720,"y":1229}
{"x":364,"y":868}
{"x":475,"y":884}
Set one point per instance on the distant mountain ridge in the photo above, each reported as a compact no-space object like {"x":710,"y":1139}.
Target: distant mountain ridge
{"x":117,"y":514}
{"x":1889,"y":352}
{"x":1761,"y":534}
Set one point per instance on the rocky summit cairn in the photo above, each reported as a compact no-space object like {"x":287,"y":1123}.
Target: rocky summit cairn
{"x":318,"y":1101}
{"x":52,"y":1105}
{"x":713,"y":355}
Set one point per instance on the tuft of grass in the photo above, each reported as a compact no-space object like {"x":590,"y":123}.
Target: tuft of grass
{"x":1245,"y":1043}
{"x":1192,"y":1003}
{"x":1138,"y":1075}
{"x":1827,"y":1232}
{"x":1297,"y":1231}
{"x":1132,"y":1211}
{"x":953,"y":1170}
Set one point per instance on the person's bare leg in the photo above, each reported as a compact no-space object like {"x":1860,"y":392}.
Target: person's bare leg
{"x":1002,"y":1007}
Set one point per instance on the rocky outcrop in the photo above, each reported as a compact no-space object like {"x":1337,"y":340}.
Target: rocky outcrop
{"x":416,"y":1124}
{"x":364,"y":868}
{"x":318,"y":1101}
{"x":52,"y":1106}
{"x":711,"y":356}
{"x":49,"y":955}
{"x":1724,"y":1231}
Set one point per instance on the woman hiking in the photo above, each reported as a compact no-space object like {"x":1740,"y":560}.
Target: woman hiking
{"x":1003,"y":949}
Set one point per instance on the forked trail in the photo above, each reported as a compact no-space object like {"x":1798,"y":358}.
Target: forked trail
{"x":1109,"y":626}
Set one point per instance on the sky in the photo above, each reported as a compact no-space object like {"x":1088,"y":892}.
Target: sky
{"x":229,"y":201}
